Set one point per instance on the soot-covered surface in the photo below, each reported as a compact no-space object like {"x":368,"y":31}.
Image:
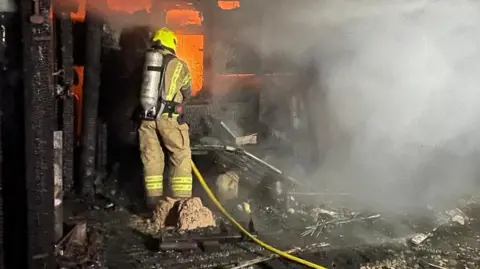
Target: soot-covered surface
{"x":382,"y":242}
{"x":346,"y":241}
{"x":377,"y":242}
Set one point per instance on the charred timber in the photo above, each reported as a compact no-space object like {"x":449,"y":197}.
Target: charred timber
{"x":93,"y":46}
{"x":101,"y":157}
{"x":64,"y":134}
{"x":65,"y":52}
{"x":3,"y":70}
{"x":39,"y":114}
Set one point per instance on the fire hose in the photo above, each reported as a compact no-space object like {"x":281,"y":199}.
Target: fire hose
{"x":244,"y":231}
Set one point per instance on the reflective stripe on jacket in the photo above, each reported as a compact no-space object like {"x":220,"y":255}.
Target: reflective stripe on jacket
{"x":178,"y":81}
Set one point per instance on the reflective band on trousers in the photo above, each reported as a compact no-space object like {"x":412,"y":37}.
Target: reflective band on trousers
{"x":154,"y":182}
{"x":181,"y":184}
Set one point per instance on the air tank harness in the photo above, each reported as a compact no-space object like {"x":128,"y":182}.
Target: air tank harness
{"x":243,"y":230}
{"x":172,"y":108}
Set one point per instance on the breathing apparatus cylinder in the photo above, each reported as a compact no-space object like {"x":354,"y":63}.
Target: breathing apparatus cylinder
{"x":152,"y":79}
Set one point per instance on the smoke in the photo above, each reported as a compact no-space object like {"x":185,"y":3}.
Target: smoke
{"x":396,"y":105}
{"x":7,"y":6}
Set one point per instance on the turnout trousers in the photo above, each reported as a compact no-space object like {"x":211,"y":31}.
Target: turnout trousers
{"x":176,"y":140}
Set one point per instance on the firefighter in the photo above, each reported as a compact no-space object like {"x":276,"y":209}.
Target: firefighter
{"x":166,"y":86}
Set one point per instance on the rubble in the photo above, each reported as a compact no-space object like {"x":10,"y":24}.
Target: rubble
{"x":79,"y":248}
{"x":451,"y":246}
{"x":419,"y":238}
{"x":320,"y":225}
{"x":193,"y":215}
{"x":227,"y":186}
{"x":183,"y":214}
{"x":448,"y":217}
{"x":456,"y":215}
{"x":262,"y":259}
{"x":364,"y":239}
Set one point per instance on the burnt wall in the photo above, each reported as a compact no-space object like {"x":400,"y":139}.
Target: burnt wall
{"x":65,"y":80}
{"x":39,"y":121}
{"x":91,"y":86}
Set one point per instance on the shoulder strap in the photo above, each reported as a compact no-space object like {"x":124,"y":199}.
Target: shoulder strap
{"x":166,"y":60}
{"x":161,"y":87}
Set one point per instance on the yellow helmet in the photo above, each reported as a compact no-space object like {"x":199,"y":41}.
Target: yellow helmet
{"x":166,"y":37}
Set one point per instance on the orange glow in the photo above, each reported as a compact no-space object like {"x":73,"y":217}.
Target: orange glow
{"x":228,"y":4}
{"x":80,"y":14}
{"x":129,"y":6}
{"x":190,"y":48}
{"x":183,"y":17}
{"x":77,"y":91}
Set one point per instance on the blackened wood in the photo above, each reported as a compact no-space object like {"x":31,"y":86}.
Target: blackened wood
{"x":93,"y":44}
{"x":39,"y":113}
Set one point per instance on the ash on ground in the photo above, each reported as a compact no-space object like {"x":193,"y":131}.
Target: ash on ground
{"x":449,"y":239}
{"x":436,"y":239}
{"x":79,"y":248}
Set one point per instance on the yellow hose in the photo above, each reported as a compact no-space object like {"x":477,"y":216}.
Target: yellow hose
{"x":239,"y":226}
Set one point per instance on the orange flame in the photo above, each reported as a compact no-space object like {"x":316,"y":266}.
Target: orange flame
{"x":228,"y":4}
{"x":189,"y":47}
{"x":77,"y":90}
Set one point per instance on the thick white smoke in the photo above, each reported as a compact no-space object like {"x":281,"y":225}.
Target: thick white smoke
{"x":7,"y":6}
{"x":397,"y":101}
{"x":400,"y":124}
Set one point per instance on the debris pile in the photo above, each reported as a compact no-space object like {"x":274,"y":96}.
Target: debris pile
{"x":227,"y":186}
{"x":322,"y":224}
{"x":345,"y":236}
{"x":449,"y":217}
{"x":184,"y":214}
{"x":79,"y":248}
